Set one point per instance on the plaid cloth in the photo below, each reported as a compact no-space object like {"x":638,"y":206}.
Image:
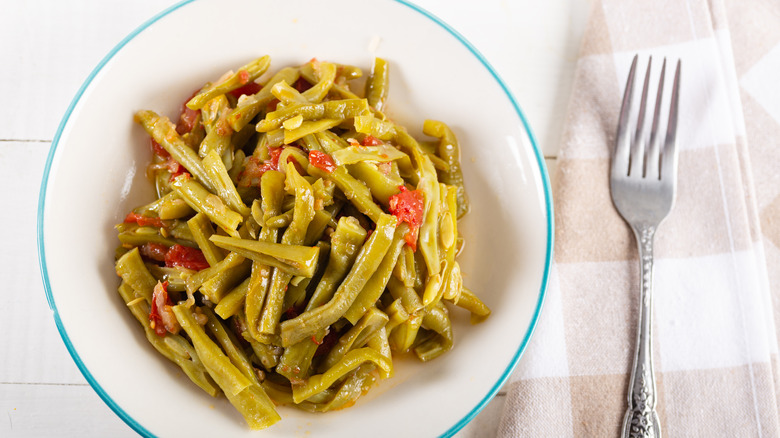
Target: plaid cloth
{"x":717,"y":271}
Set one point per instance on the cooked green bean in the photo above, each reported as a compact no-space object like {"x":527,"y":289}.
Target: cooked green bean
{"x":224,"y":186}
{"x":247,"y":397}
{"x":349,"y":362}
{"x":449,"y":151}
{"x":244,"y":75}
{"x":376,"y":284}
{"x":249,"y":107}
{"x":332,"y":109}
{"x":209,"y":204}
{"x":174,"y":347}
{"x":164,"y":133}
{"x":376,"y":85}
{"x":201,"y":229}
{"x":368,"y":259}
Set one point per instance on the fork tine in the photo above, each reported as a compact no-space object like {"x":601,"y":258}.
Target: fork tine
{"x":669,"y":154}
{"x":652,"y":159}
{"x":636,"y":158}
{"x":623,"y":140}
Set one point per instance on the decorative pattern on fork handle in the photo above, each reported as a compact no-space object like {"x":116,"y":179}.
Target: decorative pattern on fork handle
{"x":641,"y":420}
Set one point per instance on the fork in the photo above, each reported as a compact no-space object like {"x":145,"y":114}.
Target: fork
{"x":643,"y":181}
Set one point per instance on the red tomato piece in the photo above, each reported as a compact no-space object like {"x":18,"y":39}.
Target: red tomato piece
{"x":188,"y":118}
{"x":161,"y":315}
{"x":153,"y":251}
{"x":408,"y":206}
{"x":144,"y":221}
{"x":248,"y":89}
{"x":186,"y":257}
{"x":321,"y":160}
{"x":158,"y":150}
{"x":302,"y":85}
{"x":370,"y":140}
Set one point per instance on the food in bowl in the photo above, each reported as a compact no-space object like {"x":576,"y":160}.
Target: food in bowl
{"x":300,"y":238}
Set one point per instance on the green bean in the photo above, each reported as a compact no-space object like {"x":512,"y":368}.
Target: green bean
{"x":376,"y":284}
{"x":428,"y":240}
{"x":248,"y":398}
{"x":353,"y":387}
{"x":245,"y":74}
{"x":357,"y":193}
{"x":381,"y":344}
{"x":357,"y":154}
{"x":229,"y":345}
{"x":233,"y":302}
{"x":402,"y":337}
{"x":211,"y":205}
{"x":469,"y":301}
{"x":381,"y":185}
{"x":195,"y":281}
{"x":376,"y":85}
{"x":218,"y":133}
{"x":326,"y":74}
{"x":369,"y":258}
{"x":259,"y":281}
{"x":219,"y":284}
{"x":164,"y":133}
{"x":293,"y":259}
{"x":317,"y":226}
{"x":356,"y":337}
{"x":134,"y":273}
{"x":309,"y":127}
{"x":174,"y":347}
{"x":132,"y":235}
{"x":437,"y":320}
{"x":225,"y":188}
{"x":332,"y":109}
{"x":201,"y":229}
{"x":318,"y":383}
{"x":370,"y":125}
{"x":449,"y":151}
{"x":287,"y":95}
{"x":250,"y":106}
{"x":272,"y":192}
{"x":174,"y":276}
{"x":294,"y":235}
{"x":346,"y":241}
{"x":408,"y":296}
{"x":405,"y":268}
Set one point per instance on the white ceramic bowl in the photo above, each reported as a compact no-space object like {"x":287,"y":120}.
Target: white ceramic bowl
{"x":94,"y":175}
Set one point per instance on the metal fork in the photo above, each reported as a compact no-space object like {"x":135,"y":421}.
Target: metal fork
{"x":643,"y":182}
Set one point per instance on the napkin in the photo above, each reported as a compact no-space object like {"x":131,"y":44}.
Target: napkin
{"x":717,"y":271}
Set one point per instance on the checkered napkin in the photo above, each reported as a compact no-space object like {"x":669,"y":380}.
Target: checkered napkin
{"x":717,"y":271}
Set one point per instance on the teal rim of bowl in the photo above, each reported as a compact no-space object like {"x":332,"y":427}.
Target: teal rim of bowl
{"x":130,"y":421}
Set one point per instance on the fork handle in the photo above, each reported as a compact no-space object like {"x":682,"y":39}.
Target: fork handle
{"x":641,"y":420}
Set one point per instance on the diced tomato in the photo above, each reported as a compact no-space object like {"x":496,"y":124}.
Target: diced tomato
{"x":243,"y":76}
{"x":408,"y":206}
{"x":188,"y":118}
{"x":161,"y":315}
{"x":248,"y":89}
{"x":254,"y":169}
{"x":144,"y":221}
{"x":186,"y":257}
{"x":153,"y":251}
{"x":370,"y":140}
{"x":272,"y":105}
{"x":158,"y":150}
{"x":327,"y":343}
{"x":321,"y":160}
{"x":302,"y":85}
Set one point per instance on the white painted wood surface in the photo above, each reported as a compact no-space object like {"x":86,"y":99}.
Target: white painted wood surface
{"x":47,"y":49}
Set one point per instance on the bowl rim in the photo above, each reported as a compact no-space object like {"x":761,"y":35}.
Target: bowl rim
{"x":130,"y":421}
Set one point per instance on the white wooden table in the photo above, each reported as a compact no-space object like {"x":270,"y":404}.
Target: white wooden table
{"x":47,"y":49}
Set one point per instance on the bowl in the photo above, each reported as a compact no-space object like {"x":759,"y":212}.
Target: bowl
{"x":94,"y":175}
